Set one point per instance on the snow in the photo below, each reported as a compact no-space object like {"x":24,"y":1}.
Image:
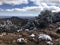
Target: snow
{"x":45,"y":37}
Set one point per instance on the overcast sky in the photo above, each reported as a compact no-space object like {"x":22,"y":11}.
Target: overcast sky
{"x":27,"y":7}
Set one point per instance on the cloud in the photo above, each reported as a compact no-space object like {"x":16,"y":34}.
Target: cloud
{"x":34,"y":8}
{"x":14,"y":9}
{"x":42,"y":5}
{"x":55,"y":9}
{"x":37,"y":2}
{"x":13,"y":2}
{"x":1,"y":10}
{"x":17,"y":2}
{"x":9,"y":10}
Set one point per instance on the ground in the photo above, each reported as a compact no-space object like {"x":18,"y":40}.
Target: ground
{"x":10,"y":38}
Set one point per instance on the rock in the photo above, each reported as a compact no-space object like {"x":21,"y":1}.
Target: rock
{"x":32,"y":38}
{"x":21,"y":40}
{"x":4,"y":33}
{"x":58,"y":30}
{"x":58,"y":39}
{"x":49,"y":43}
{"x":19,"y":30}
{"x":45,"y":37}
{"x":58,"y":23}
{"x":14,"y":41}
{"x":35,"y":28}
{"x":32,"y":35}
{"x":26,"y":29}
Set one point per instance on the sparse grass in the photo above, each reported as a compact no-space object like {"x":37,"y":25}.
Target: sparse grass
{"x":10,"y":38}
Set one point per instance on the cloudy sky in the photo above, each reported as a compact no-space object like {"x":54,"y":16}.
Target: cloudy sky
{"x":27,"y":7}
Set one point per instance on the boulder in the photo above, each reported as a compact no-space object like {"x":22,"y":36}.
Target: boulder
{"x":45,"y":37}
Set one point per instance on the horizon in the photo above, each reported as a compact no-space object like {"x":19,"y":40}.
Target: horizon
{"x":22,"y":17}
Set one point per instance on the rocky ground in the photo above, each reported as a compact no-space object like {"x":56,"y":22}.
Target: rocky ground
{"x":10,"y":38}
